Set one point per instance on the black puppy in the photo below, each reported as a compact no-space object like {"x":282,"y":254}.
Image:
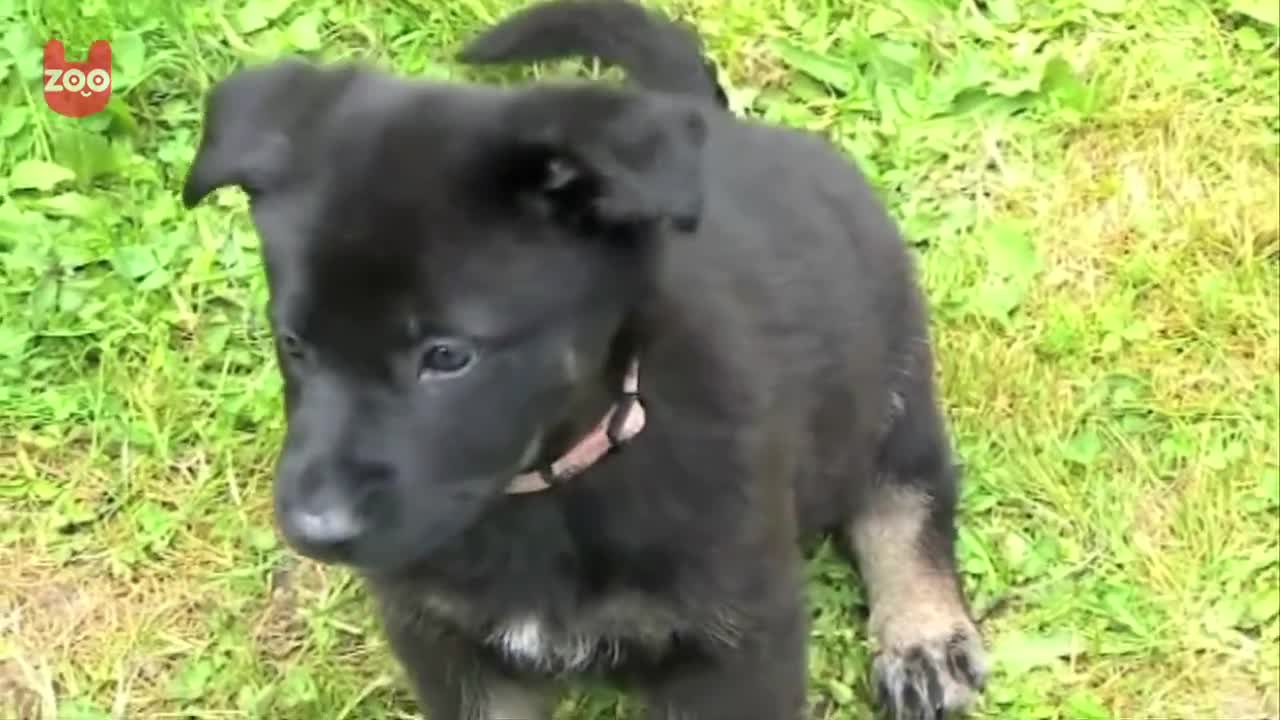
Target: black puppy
{"x":571,"y":369}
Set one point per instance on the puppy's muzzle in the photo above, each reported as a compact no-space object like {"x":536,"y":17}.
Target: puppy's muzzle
{"x":322,"y":522}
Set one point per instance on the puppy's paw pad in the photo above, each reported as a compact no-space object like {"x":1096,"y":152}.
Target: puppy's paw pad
{"x":929,"y":679}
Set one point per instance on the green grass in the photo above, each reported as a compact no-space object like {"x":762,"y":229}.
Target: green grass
{"x":1092,"y":185}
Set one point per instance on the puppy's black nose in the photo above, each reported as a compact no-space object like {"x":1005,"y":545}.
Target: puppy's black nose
{"x":322,"y":526}
{"x":333,"y":525}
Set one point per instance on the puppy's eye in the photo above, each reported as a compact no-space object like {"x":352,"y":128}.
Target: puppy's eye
{"x":291,"y":345}
{"x":445,"y":357}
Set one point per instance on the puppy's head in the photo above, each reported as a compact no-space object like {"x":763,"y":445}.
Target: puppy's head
{"x":449,"y":270}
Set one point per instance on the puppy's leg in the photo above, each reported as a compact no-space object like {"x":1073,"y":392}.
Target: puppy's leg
{"x":764,"y":679}
{"x":452,"y":682}
{"x":930,"y":657}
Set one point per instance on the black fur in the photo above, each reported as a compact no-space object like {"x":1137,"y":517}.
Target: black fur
{"x":551,"y":233}
{"x":657,"y":54}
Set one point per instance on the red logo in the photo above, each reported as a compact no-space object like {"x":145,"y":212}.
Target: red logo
{"x":77,"y":89}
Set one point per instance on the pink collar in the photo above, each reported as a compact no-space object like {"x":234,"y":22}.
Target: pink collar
{"x":624,"y":421}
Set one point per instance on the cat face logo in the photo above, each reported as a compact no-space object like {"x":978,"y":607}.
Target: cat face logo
{"x":77,"y":89}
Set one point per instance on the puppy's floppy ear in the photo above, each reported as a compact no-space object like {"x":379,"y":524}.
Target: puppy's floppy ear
{"x":616,"y":156}
{"x":250,"y":123}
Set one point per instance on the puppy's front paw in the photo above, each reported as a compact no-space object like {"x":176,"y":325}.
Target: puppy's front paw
{"x":930,"y":678}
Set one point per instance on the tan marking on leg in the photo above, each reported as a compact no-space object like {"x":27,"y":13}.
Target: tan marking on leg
{"x":509,"y":701}
{"x":916,"y":608}
{"x":898,"y":578}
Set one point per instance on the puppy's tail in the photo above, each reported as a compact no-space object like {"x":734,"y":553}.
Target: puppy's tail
{"x":657,"y":53}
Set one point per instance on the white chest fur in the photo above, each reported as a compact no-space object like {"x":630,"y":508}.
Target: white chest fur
{"x":529,"y":641}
